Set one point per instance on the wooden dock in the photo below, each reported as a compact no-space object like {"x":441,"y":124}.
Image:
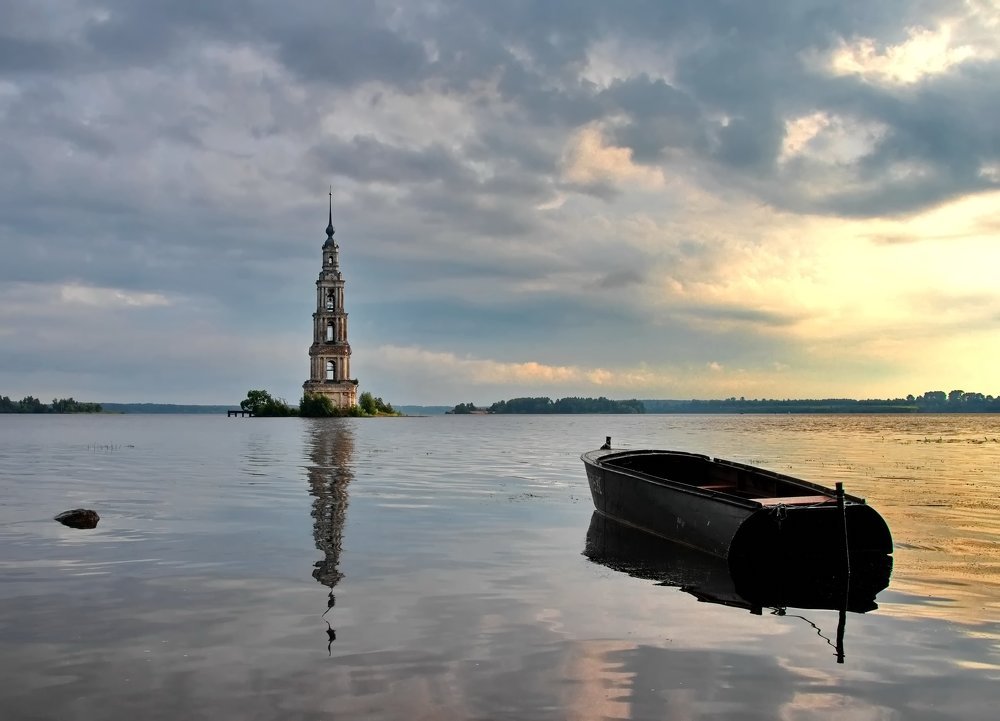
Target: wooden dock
{"x":241,"y":413}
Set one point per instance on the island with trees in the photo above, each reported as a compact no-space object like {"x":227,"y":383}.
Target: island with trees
{"x":262,"y":404}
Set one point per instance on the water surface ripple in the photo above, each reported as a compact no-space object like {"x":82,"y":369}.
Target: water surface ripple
{"x":433,"y":568}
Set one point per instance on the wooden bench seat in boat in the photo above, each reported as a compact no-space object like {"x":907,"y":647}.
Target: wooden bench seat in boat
{"x":794,"y":500}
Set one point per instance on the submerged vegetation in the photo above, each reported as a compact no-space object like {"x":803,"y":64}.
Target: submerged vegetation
{"x":30,"y":404}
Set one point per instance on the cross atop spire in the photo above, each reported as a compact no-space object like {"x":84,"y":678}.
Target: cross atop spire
{"x":329,"y":227}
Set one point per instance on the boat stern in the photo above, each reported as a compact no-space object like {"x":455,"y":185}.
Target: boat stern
{"x":803,"y":530}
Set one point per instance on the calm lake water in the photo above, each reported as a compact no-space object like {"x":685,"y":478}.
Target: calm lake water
{"x":433,"y":568}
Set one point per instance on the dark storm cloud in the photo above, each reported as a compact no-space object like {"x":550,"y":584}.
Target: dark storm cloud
{"x":439,"y":181}
{"x":366,"y":159}
{"x":341,"y":43}
{"x":661,"y":117}
{"x":894,"y":197}
{"x":618,"y":279}
{"x":740,"y":61}
{"x":21,"y":55}
{"x":496,"y":220}
{"x":530,"y":153}
{"x":483,"y":36}
{"x":745,"y":62}
{"x":735,"y":59}
{"x":346,"y":52}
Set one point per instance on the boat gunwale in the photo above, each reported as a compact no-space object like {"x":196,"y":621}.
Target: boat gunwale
{"x":598,"y":457}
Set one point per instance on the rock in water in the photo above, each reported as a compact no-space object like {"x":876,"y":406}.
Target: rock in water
{"x":79,"y":518}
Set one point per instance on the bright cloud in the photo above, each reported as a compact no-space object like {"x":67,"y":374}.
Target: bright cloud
{"x":925,"y":52}
{"x":829,"y":138}
{"x":488,"y":372}
{"x":590,"y":160}
{"x":110,"y":297}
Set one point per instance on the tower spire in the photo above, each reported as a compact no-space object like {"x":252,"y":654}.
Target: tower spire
{"x":329,"y":226}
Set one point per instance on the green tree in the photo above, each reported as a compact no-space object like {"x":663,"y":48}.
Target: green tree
{"x":255,"y":401}
{"x":317,"y":405}
{"x":935,"y":398}
{"x":262,"y":403}
{"x":276,"y":408}
{"x":30,"y":404}
{"x":366,"y":401}
{"x":369,"y":405}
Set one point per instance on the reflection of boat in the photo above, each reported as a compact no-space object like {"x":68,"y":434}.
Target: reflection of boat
{"x":728,"y":508}
{"x":748,"y":581}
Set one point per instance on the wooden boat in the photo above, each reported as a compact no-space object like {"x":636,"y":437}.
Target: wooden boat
{"x":729,"y":509}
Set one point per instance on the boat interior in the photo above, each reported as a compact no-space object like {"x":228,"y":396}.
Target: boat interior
{"x":726,"y":477}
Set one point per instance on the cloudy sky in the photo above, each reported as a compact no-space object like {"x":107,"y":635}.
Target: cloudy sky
{"x":655,"y":199}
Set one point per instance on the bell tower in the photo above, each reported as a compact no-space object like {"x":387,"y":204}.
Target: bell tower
{"x":330,"y":353}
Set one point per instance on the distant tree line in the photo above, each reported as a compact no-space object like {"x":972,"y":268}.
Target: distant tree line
{"x":956,"y":401}
{"x":30,"y":404}
{"x":566,"y":405}
{"x":163,"y":408}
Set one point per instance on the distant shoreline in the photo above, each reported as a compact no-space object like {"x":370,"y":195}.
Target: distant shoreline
{"x":931,"y":402}
{"x":651,"y":407}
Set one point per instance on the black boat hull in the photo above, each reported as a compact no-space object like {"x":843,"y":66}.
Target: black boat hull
{"x":676,"y":514}
{"x":722,"y":523}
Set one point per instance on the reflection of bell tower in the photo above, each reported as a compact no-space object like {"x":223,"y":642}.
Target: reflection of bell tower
{"x":331,"y":447}
{"x":330,"y":353}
